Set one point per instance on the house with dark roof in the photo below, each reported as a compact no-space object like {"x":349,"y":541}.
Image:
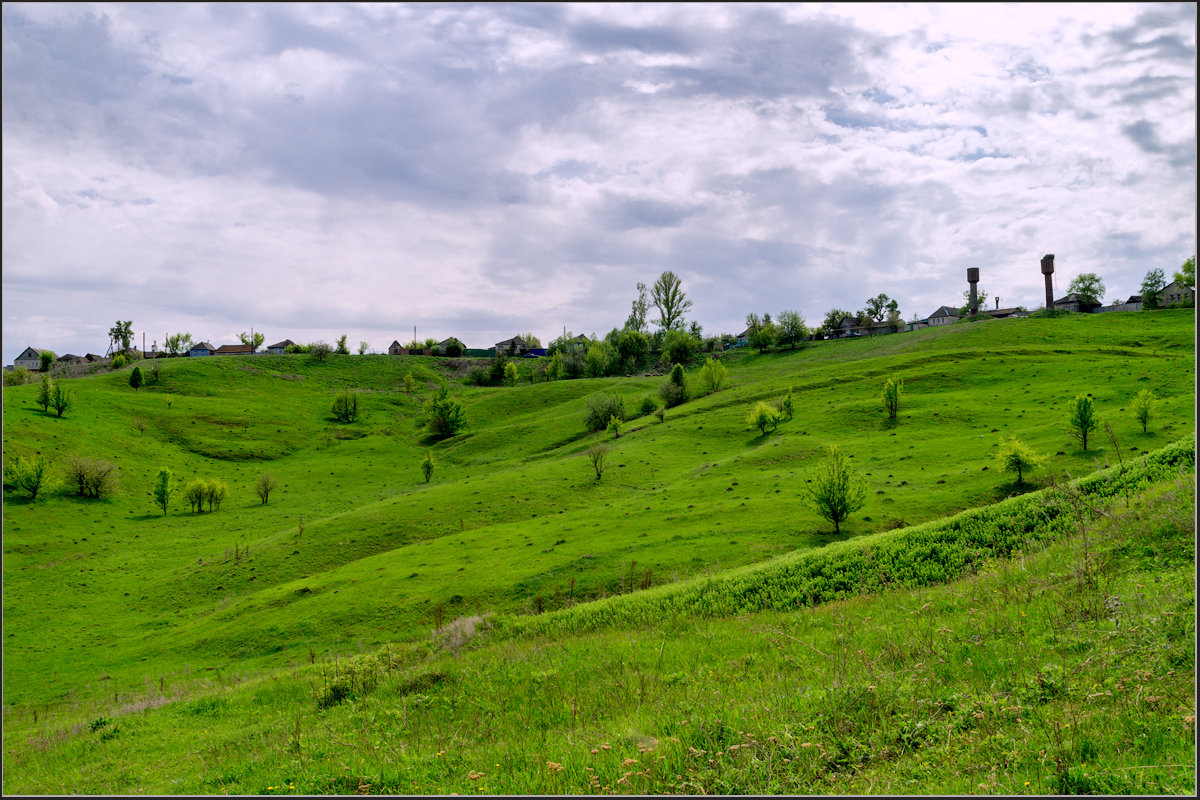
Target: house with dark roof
{"x":515,"y":346}
{"x":279,"y":348}
{"x":1073,"y":302}
{"x":234,"y":350}
{"x":92,"y":358}
{"x":1003,"y":313}
{"x":396,"y":349}
{"x":1176,"y":292}
{"x":30,"y":358}
{"x":943,"y":316}
{"x":70,"y":358}
{"x":201,"y":349}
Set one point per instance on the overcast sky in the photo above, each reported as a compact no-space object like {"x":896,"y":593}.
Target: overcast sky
{"x":482,"y":171}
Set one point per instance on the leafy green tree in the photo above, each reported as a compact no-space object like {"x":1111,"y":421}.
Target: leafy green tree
{"x":791,"y":328}
{"x":30,"y":474}
{"x":712,"y":375}
{"x":342,"y":349}
{"x":214,"y":492}
{"x":891,"y":395}
{"x":118,"y":362}
{"x":761,"y":331}
{"x":879,"y":306}
{"x":454,"y":347}
{"x":596,"y":454}
{"x":632,"y":347}
{"x":427,"y":465}
{"x":1088,"y":286}
{"x":46,"y":360}
{"x":135,"y":378}
{"x":614,"y":426}
{"x":122,"y":334}
{"x":554,"y":369}
{"x":761,"y":416}
{"x":443,"y":416}
{"x":178,"y":343}
{"x":673,"y":390}
{"x":61,"y":400}
{"x":1143,"y":407}
{"x":696,"y":330}
{"x":787,"y":406}
{"x":600,"y":360}
{"x":679,"y":347}
{"x":894,"y":320}
{"x":510,"y":374}
{"x":637,"y":315}
{"x":320,"y":350}
{"x":531,"y":340}
{"x":600,"y":411}
{"x":194,"y":492}
{"x":164,"y":487}
{"x":1083,"y":419}
{"x":93,"y":478}
{"x":410,"y":383}
{"x":1016,"y":456}
{"x":833,"y":319}
{"x":264,"y":485}
{"x":45,"y":392}
{"x":669,"y":298}
{"x":255,"y":340}
{"x":1154,"y":282}
{"x":363,"y":347}
{"x":836,"y":491}
{"x":17,"y":376}
{"x":1187,"y":273}
{"x":345,"y":406}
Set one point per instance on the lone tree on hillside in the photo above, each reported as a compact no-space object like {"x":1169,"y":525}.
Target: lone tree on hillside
{"x":135,"y":378}
{"x":1016,"y":456}
{"x":1143,"y":407}
{"x":891,"y":395}
{"x":255,"y":340}
{"x":263,"y":487}
{"x":836,"y":491}
{"x":61,"y":400}
{"x":443,"y":416}
{"x":670,"y":300}
{"x":427,"y":465}
{"x":342,"y":349}
{"x":1088,"y":286}
{"x":45,"y":392}
{"x":762,"y":415}
{"x":30,"y":474}
{"x":712,"y":375}
{"x":320,"y":350}
{"x":791,"y":328}
{"x":345,"y":406}
{"x":164,"y":487}
{"x":596,"y":453}
{"x":1083,"y":419}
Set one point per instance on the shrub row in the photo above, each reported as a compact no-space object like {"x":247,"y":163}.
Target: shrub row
{"x":921,"y":555}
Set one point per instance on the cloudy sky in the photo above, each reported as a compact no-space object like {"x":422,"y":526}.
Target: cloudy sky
{"x":480,"y":171}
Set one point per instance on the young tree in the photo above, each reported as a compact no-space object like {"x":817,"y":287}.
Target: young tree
{"x":164,"y":487}
{"x":712,"y":375}
{"x":554,"y":369}
{"x":894,"y":320}
{"x":1154,"y":282}
{"x":135,"y":378}
{"x":91,"y":478}
{"x":981,"y":297}
{"x":596,"y":453}
{"x":530,"y":339}
{"x":762,"y":332}
{"x":891,"y":395}
{"x":178,"y":343}
{"x":264,"y":485}
{"x":673,"y":390}
{"x":637,"y":315}
{"x":1088,"y":286}
{"x":1083,"y":419}
{"x":443,"y":416}
{"x":670,"y":300}
{"x":836,"y":491}
{"x":614,"y":426}
{"x":787,"y":407}
{"x":791,"y":328}
{"x":879,"y":306}
{"x":761,"y":416}
{"x":194,"y":492}
{"x":632,"y":348}
{"x":320,"y":350}
{"x":255,"y":340}
{"x":61,"y":400}
{"x":345,"y":406}
{"x":1143,"y":407}
{"x":510,"y":374}
{"x":363,"y":347}
{"x":214,"y":492}
{"x":1187,"y":273}
{"x":122,"y":334}
{"x":1016,"y":456}
{"x":46,"y":360}
{"x":427,"y":465}
{"x":29,"y":475}
{"x":45,"y":392}
{"x":342,"y":349}
{"x":679,"y":347}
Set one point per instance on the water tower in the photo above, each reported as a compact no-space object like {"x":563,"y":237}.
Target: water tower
{"x":1048,"y":271}
{"x":973,"y":278}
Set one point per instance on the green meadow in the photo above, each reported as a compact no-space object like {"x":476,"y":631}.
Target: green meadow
{"x":686,"y":623}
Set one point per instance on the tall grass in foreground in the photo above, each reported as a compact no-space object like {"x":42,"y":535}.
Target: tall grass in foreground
{"x":1064,"y":670}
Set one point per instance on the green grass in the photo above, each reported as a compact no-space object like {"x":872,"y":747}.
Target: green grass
{"x":111,"y":598}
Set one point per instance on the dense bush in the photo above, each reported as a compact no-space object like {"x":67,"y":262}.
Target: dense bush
{"x":712,"y":375}
{"x":28,"y":474}
{"x":648,"y":406}
{"x":345,"y":406}
{"x":443,"y":415}
{"x":17,"y":376}
{"x":679,"y":347}
{"x":673,"y":390}
{"x":600,"y":411}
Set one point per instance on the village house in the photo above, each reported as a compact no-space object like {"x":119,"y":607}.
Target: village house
{"x":515,"y":346}
{"x":1176,"y":292}
{"x":70,"y":358}
{"x":943,"y":316}
{"x":30,"y":359}
{"x":200,"y":349}
{"x":280,"y":348}
{"x":1073,"y":302}
{"x":234,"y":350}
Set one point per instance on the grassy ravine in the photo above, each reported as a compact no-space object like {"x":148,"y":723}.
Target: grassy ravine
{"x":229,"y":651}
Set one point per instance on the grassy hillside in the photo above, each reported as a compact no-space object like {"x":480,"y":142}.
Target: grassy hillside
{"x":111,"y":599}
